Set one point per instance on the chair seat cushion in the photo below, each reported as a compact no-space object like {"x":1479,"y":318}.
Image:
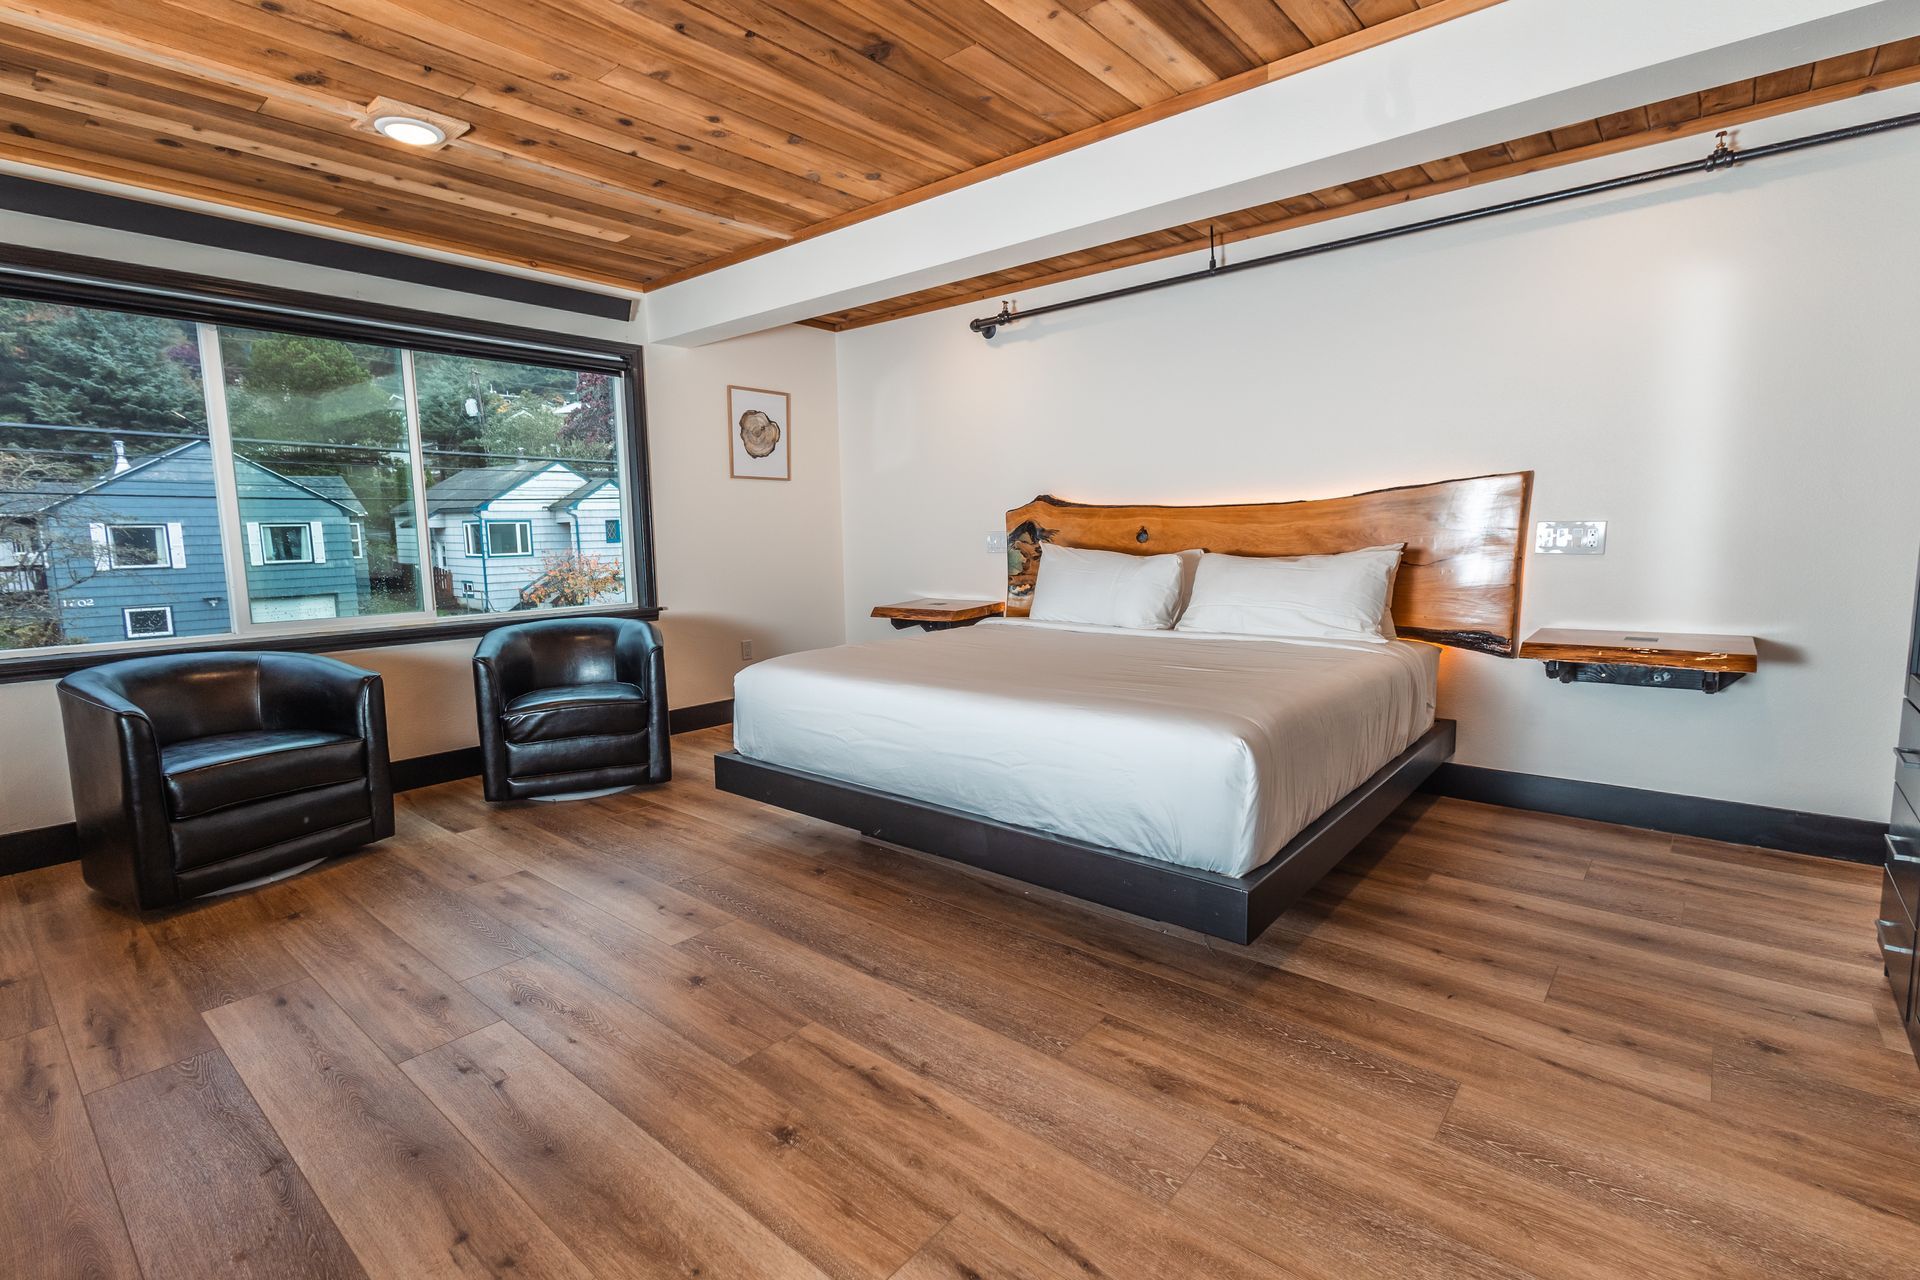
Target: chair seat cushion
{"x":575,"y":711}
{"x":205,"y":774}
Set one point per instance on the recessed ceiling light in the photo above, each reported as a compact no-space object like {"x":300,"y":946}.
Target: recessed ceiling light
{"x":415,"y":133}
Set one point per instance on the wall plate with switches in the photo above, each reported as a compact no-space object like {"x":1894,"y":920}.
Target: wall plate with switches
{"x":746,"y":651}
{"x":1570,"y":538}
{"x":997,"y":540}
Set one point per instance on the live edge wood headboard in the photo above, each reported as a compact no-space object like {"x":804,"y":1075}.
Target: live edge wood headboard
{"x":1459,"y":580}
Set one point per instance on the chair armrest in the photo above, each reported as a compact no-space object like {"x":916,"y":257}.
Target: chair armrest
{"x":119,"y":808}
{"x":508,"y":664}
{"x":642,"y":660}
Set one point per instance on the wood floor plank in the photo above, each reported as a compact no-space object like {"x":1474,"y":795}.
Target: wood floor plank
{"x":1078,"y":1220}
{"x":410,"y":1195}
{"x":998,"y":997}
{"x":690,"y":993}
{"x":459,"y":860}
{"x":24,"y":1003}
{"x":58,"y":1216}
{"x":832,"y":1207}
{"x":1106,"y":1129}
{"x":404,"y":1001}
{"x":627,"y":1206}
{"x":614,"y":885}
{"x":223,"y":950}
{"x":206,"y":1186}
{"x":442,"y":924}
{"x":118,"y":1003}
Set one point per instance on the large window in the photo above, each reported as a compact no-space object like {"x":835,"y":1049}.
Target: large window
{"x":165,"y":479}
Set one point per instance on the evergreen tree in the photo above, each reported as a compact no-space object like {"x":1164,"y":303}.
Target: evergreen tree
{"x":104,"y":374}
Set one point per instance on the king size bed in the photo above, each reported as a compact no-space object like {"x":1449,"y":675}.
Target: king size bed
{"x":1196,"y":776}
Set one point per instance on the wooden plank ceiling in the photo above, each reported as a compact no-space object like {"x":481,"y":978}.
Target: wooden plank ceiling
{"x":623,"y":142}
{"x":1713,"y":109}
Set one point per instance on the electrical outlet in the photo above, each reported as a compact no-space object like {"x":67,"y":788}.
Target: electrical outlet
{"x":746,"y":651}
{"x":1570,"y":538}
{"x":997,"y":540}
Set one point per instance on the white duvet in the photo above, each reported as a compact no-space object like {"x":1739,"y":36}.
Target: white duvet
{"x":1210,"y":751}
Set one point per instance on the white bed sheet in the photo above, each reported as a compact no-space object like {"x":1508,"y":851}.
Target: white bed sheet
{"x":1206,"y":750}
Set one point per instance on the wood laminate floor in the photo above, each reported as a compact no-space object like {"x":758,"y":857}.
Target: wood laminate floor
{"x":673,"y":1033}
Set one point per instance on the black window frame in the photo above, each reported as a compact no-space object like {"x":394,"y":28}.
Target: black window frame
{"x":72,"y":280}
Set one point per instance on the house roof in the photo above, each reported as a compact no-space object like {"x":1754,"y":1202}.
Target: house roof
{"x":469,"y":490}
{"x":580,"y":495}
{"x":333,"y":489}
{"x":475,"y":487}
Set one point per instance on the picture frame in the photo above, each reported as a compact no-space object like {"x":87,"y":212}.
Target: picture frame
{"x":759,"y":434}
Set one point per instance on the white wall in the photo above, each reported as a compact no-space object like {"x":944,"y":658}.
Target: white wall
{"x":1720,"y":368}
{"x":737,"y":559}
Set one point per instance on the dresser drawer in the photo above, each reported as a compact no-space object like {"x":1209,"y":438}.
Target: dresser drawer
{"x":1903,"y":852}
{"x":1895,"y":933}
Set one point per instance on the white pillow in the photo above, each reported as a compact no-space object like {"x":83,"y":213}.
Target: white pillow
{"x":1107,"y":588}
{"x":1337,"y":597}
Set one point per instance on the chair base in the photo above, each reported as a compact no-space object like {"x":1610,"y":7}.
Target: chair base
{"x":285,"y":873}
{"x":582,"y":795}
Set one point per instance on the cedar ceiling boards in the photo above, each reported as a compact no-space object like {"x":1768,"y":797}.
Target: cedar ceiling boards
{"x":621,"y":142}
{"x":1722,"y":107}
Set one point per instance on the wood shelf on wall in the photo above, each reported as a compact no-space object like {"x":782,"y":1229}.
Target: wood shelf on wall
{"x":1653,"y":659}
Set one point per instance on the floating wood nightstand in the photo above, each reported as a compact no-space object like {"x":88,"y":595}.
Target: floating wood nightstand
{"x":938,"y":615}
{"x":1659,"y":660}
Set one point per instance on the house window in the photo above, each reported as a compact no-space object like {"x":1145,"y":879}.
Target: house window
{"x":245,"y":460}
{"x":509,"y":537}
{"x":613,"y":531}
{"x":286,"y":544}
{"x":148,"y":622}
{"x":138,"y":546}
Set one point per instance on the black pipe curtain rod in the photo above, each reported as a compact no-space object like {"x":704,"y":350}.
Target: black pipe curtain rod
{"x":1723,"y":156}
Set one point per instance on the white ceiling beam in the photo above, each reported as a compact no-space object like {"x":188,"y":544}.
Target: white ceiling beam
{"x":1520,"y":67}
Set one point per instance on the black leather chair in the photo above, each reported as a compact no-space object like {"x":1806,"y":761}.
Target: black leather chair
{"x":569,"y":705}
{"x":193,"y":772}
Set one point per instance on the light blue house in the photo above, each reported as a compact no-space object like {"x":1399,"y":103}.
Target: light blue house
{"x":495,"y":531}
{"x":137,"y":554}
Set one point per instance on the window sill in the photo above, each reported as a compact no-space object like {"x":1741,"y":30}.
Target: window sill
{"x":51,"y":666}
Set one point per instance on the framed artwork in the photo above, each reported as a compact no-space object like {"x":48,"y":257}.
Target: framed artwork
{"x":759,"y":434}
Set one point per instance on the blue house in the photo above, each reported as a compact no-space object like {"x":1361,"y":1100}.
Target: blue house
{"x":137,"y":554}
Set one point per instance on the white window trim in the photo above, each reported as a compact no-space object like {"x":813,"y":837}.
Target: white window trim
{"x":306,"y":542}
{"x":165,"y":547}
{"x":526,"y":540}
{"x":126,"y":621}
{"x":612,"y":531}
{"x":357,"y":538}
{"x":476,"y":547}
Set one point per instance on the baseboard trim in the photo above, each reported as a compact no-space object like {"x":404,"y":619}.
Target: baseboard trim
{"x":707,"y":715}
{"x":50,"y":846}
{"x":1789,"y":830}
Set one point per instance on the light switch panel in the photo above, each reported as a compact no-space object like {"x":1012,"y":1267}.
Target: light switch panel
{"x":997,"y":540}
{"x":1570,"y":538}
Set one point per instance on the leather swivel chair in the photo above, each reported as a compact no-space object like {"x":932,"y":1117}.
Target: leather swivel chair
{"x":194,"y":772}
{"x":569,"y":705}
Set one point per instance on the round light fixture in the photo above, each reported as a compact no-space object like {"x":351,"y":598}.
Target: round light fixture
{"x":414,"y":133}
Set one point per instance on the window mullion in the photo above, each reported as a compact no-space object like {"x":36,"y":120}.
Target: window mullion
{"x":226,"y":487}
{"x":417,"y":474}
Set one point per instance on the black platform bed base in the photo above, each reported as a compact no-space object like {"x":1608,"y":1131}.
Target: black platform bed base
{"x":1236,"y":908}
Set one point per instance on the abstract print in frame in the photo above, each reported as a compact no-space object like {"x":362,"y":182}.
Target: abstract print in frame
{"x":759,"y":434}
